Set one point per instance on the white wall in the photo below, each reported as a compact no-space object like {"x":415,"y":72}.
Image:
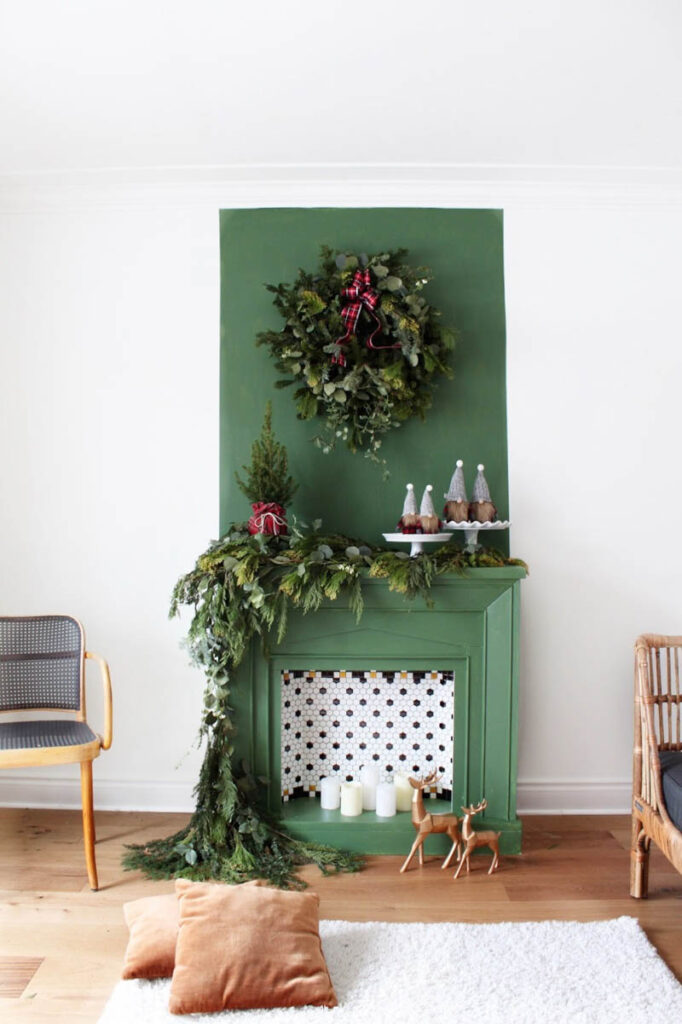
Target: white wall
{"x":594,"y":376}
{"x":131,"y":83}
{"x":108,"y":448}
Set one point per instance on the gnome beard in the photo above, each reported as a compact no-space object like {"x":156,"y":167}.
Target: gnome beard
{"x":456,"y":511}
{"x":482,"y":512}
{"x":430,"y":522}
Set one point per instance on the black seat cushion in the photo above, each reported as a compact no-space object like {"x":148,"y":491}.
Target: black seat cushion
{"x":31,"y":735}
{"x":671,"y":779}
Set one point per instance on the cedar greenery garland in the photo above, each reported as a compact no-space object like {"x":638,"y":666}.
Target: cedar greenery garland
{"x":267,"y":477}
{"x":243,"y":587}
{"x":379,"y":388}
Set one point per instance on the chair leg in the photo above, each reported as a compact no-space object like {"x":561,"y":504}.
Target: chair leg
{"x":639,"y":861}
{"x":88,"y":822}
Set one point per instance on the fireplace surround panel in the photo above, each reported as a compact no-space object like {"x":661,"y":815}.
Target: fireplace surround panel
{"x":470,"y":634}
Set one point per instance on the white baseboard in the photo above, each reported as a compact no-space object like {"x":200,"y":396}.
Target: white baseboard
{"x":32,"y":791}
{"x":535,"y":796}
{"x":584,"y":796}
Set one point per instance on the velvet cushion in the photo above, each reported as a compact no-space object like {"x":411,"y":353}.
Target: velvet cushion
{"x":153,"y":923}
{"x":671,"y":780}
{"x":247,"y":947}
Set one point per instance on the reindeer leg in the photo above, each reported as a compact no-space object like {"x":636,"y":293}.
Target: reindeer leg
{"x":416,"y":845}
{"x":496,"y":859}
{"x":421,"y":854}
{"x":448,"y":859}
{"x":455,"y":847}
{"x":465,"y":858}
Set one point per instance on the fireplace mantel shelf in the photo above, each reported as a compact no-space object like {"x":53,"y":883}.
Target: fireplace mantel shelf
{"x":471,"y":630}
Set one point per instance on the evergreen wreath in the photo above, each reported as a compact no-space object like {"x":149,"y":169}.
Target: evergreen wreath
{"x":362,"y":343}
{"x":242,"y":588}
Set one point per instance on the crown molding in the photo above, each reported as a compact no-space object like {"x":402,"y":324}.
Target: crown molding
{"x":338,"y":185}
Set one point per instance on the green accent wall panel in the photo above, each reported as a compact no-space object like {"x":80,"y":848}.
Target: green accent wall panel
{"x":468,"y":420}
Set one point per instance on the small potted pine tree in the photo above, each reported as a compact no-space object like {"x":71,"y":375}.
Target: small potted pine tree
{"x":267,"y":483}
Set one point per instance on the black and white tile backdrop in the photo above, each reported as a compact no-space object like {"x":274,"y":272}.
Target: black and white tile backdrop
{"x":333,"y":723}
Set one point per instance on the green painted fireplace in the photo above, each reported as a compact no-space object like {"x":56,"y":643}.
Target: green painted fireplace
{"x":472,"y":631}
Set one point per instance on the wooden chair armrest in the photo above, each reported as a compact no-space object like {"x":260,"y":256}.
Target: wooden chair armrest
{"x":106,"y":682}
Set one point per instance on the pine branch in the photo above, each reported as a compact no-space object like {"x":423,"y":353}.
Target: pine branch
{"x":267,"y":476}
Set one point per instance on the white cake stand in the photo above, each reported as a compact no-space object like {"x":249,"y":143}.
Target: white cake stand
{"x":471,"y":531}
{"x":417,"y":540}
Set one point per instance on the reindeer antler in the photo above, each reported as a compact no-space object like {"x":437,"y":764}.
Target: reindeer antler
{"x":471,"y":810}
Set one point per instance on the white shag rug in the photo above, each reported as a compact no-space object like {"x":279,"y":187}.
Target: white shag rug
{"x":547,"y":972}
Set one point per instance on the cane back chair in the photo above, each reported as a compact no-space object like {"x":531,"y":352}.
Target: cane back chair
{"x":42,"y":668}
{"x":657,"y":768}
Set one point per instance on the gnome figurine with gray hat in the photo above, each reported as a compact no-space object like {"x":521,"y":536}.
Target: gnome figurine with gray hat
{"x":427,"y":513}
{"x":481,"y":508}
{"x":409,"y":521}
{"x":456,"y":504}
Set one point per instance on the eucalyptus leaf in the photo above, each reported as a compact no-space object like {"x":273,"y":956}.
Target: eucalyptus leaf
{"x":393,"y":283}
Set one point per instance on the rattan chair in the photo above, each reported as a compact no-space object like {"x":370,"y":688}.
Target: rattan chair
{"x":657,"y":770}
{"x":42,"y":668}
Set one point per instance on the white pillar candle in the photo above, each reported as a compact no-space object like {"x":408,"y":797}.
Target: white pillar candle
{"x":403,"y":792}
{"x":385,"y":800}
{"x":330,"y":790}
{"x":351,"y":799}
{"x":369,"y":777}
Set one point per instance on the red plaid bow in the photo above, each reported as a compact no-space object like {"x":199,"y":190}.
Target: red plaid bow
{"x":362,"y":294}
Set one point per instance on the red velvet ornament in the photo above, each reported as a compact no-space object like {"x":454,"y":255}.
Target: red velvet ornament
{"x":268,"y":518}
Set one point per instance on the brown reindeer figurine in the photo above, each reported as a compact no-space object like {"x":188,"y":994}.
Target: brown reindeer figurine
{"x":474,"y":839}
{"x":430,"y":824}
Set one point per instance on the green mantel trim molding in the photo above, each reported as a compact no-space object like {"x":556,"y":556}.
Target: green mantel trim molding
{"x":242,"y":591}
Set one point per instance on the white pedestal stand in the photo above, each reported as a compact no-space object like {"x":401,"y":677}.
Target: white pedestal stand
{"x":471,"y":531}
{"x":417,"y":540}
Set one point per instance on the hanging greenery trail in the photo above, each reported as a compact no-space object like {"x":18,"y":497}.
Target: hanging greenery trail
{"x":242,"y":588}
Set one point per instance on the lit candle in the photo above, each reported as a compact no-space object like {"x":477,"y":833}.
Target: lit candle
{"x":385,"y":800}
{"x":331,"y":794}
{"x":351,"y":799}
{"x":369,"y":777}
{"x":403,"y":792}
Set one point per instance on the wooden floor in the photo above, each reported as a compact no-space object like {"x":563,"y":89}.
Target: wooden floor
{"x":61,"y":946}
